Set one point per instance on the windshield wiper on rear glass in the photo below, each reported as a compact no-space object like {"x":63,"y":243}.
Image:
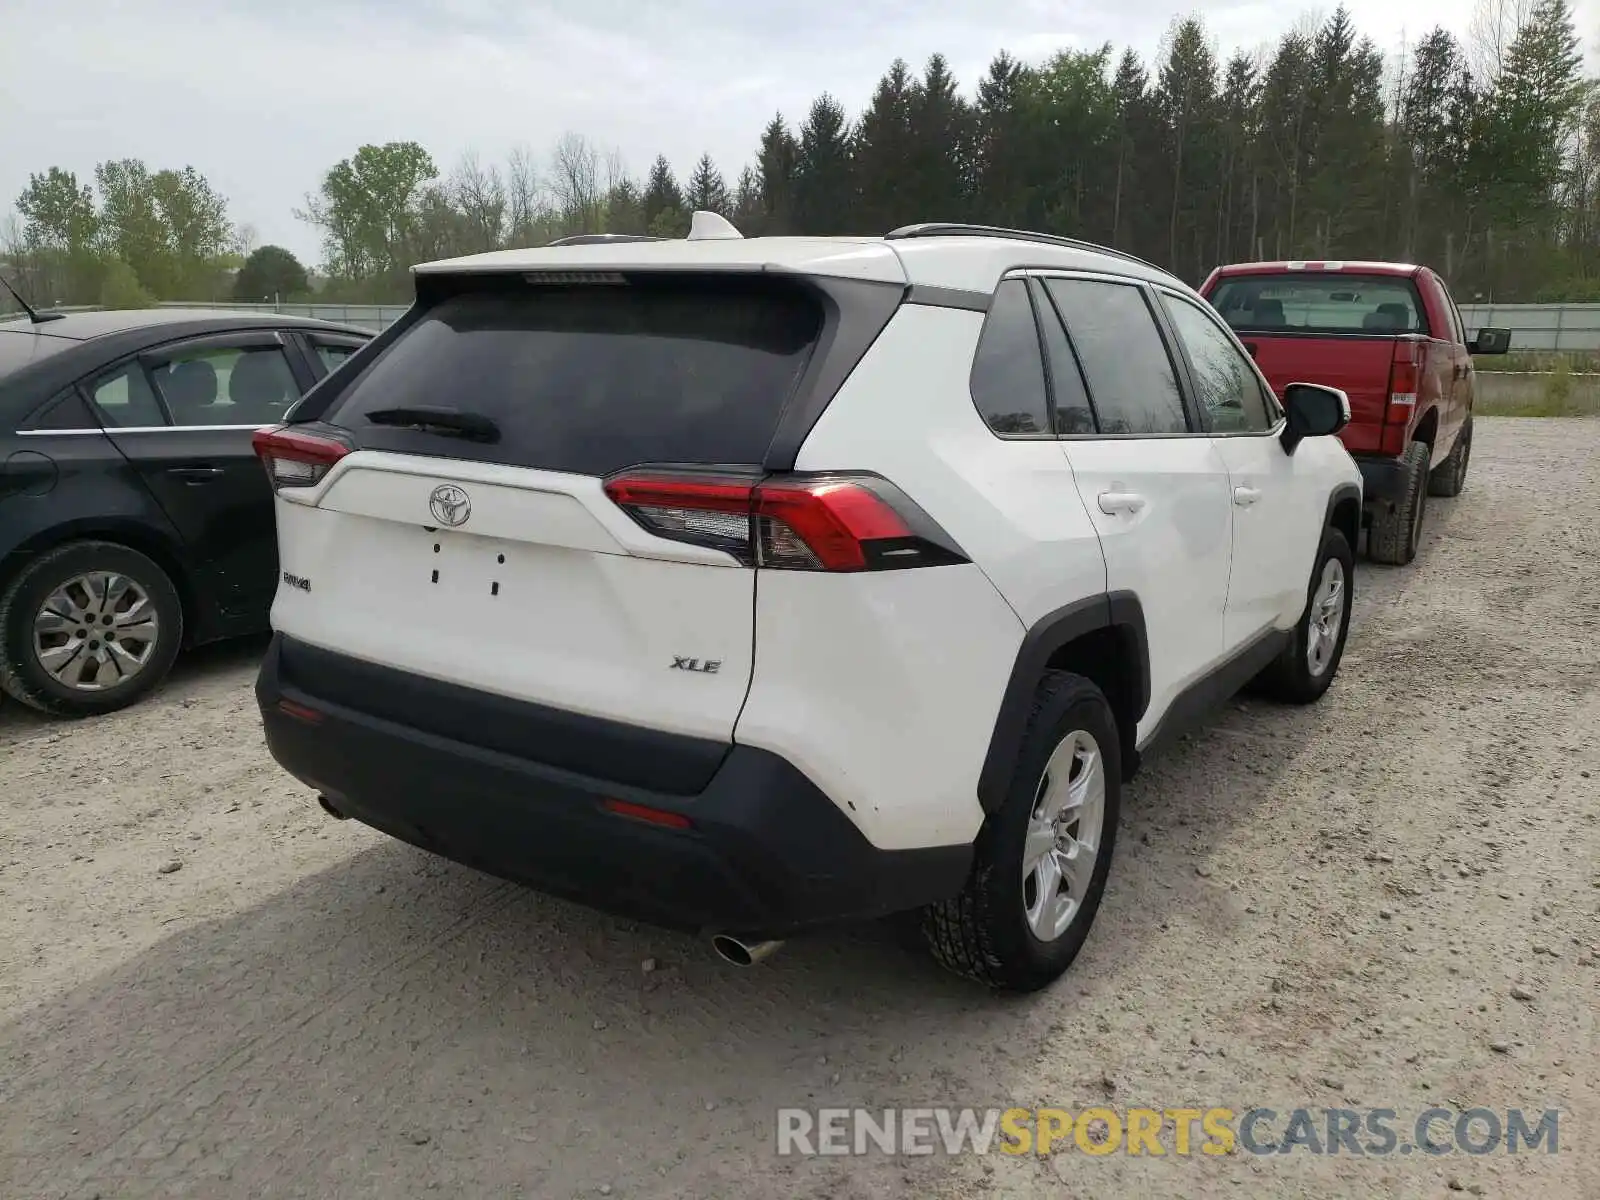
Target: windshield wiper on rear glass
{"x":447,"y":422}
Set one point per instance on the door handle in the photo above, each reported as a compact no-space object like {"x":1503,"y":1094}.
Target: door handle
{"x":1112,"y":503}
{"x":194,"y":474}
{"x":1244,"y":497}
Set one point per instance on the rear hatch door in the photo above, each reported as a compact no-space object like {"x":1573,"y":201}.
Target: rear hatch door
{"x":468,"y":536}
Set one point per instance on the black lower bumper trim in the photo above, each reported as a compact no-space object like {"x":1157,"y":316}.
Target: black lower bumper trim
{"x":766,"y":853}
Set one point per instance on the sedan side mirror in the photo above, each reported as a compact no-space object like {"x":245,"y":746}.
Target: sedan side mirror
{"x":1491,"y":341}
{"x":1312,"y":410}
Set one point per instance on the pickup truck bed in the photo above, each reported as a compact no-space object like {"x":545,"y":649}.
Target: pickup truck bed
{"x":1390,"y":337}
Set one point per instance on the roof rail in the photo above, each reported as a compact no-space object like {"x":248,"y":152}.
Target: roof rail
{"x":958,"y":229}
{"x":601,"y":239}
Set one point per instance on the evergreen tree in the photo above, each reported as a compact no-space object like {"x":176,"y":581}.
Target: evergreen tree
{"x":883,"y":151}
{"x":707,"y":190}
{"x":775,"y":166}
{"x":823,"y":172}
{"x":625,"y":208}
{"x":1000,"y":174}
{"x":661,"y":193}
{"x":1186,"y":98}
{"x":1133,"y":119}
{"x":939,"y":188}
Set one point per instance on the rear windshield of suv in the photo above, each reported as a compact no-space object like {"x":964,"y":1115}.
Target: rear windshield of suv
{"x":1332,"y":302}
{"x":593,"y":378}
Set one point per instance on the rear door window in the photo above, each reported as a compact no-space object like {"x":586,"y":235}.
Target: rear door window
{"x":226,"y":385}
{"x":594,"y":378}
{"x":1327,"y":302}
{"x":1132,"y":384}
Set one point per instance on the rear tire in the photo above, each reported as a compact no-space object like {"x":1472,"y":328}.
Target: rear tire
{"x":1394,"y":537}
{"x":1451,"y":476}
{"x":1305,"y":669}
{"x":1034,"y":892}
{"x":88,"y":628}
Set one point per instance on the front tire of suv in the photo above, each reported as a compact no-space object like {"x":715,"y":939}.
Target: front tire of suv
{"x":1305,"y":669}
{"x":1395,"y":536}
{"x":1041,"y":861}
{"x":1451,"y":476}
{"x":88,"y":628}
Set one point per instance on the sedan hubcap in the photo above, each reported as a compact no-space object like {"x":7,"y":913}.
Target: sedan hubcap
{"x":95,"y":631}
{"x":1326,"y":617}
{"x":1064,"y":834}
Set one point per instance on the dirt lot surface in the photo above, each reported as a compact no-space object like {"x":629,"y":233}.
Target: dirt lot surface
{"x":209,"y":989}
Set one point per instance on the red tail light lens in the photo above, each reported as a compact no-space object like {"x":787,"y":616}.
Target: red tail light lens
{"x":295,"y":459}
{"x":798,"y":522}
{"x":1402,"y":399}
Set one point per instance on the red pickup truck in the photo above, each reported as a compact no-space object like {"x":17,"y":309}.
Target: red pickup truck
{"x":1390,"y":337}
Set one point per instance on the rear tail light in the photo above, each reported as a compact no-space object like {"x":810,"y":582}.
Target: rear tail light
{"x":295,"y":459}
{"x":1402,"y":399}
{"x":853,"y":522}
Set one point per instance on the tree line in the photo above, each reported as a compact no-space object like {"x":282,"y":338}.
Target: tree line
{"x":1479,"y":156}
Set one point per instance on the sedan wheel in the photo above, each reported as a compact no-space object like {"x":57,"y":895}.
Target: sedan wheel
{"x":96,"y":631}
{"x":87,"y":628}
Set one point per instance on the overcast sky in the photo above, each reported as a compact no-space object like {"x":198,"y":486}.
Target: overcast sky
{"x":262,"y":96}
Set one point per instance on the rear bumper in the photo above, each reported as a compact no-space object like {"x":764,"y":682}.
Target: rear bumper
{"x":766,"y":852}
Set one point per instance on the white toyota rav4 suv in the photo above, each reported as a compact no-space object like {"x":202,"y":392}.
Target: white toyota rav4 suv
{"x":748,"y":586}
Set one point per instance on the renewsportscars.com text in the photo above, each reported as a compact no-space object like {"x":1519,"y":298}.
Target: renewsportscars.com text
{"x":1181,"y":1132}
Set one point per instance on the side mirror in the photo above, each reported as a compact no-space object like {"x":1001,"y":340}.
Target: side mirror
{"x":1491,"y":341}
{"x":1312,"y":410}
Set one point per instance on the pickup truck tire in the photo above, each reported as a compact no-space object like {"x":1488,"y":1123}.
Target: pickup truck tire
{"x":1297,"y":676}
{"x":1451,"y":476}
{"x":1394,"y":536}
{"x":989,"y":932}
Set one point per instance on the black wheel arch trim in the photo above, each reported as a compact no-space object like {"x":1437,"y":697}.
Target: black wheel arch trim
{"x":1345,"y":491}
{"x":1120,"y":611}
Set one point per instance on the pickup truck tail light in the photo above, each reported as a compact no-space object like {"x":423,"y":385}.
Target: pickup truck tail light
{"x":1404,"y":373}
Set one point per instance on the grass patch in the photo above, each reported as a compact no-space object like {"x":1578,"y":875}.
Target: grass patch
{"x":1579,"y":362}
{"x":1556,"y":393}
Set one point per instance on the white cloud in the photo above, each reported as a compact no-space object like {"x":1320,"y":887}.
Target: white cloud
{"x":262,"y":98}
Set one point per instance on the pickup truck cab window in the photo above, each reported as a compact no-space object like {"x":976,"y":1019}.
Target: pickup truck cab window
{"x":1326,"y":303}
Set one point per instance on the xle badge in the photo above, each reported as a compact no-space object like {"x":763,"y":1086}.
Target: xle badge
{"x":709,"y":667}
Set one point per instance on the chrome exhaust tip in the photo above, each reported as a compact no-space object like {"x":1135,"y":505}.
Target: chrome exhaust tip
{"x":327,"y":807}
{"x":740,"y":952}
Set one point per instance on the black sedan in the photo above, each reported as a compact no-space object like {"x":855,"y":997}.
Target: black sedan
{"x":134,"y":518}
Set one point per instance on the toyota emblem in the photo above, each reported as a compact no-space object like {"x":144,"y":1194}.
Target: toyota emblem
{"x":450,"y":505}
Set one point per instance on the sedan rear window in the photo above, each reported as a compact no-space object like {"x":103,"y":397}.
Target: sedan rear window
{"x":1319,"y":302}
{"x":593,"y":378}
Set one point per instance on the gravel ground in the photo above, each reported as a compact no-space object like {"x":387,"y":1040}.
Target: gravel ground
{"x":209,"y":989}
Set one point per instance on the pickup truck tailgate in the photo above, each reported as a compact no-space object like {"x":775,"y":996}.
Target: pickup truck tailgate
{"x":1358,"y":366}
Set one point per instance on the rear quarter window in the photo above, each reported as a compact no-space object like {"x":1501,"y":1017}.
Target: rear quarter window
{"x":1333,"y":302}
{"x":591,"y":379}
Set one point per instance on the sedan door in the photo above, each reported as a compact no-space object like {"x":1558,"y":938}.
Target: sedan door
{"x":183,"y":415}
